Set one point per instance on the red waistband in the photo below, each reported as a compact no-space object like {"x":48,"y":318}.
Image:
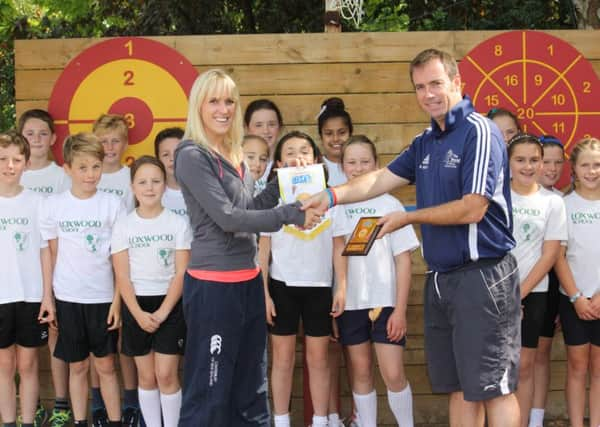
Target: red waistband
{"x":234,"y":276}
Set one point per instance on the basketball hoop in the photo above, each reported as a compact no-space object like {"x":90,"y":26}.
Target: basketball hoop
{"x":349,"y":9}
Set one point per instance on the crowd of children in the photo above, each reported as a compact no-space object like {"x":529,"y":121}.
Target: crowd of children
{"x":98,"y":273}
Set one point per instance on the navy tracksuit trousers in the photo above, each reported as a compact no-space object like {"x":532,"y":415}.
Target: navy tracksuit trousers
{"x":225,"y":366}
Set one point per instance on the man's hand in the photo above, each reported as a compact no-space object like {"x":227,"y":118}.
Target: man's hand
{"x":391,"y":222}
{"x":318,"y":202}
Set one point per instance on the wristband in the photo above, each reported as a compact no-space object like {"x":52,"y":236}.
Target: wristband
{"x":332,"y":197}
{"x":575,"y":297}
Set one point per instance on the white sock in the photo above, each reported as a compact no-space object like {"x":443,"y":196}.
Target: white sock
{"x":282,"y":420}
{"x":319,"y":421}
{"x":150,"y":406}
{"x":334,"y":419}
{"x":366,"y":406}
{"x":401,"y":405}
{"x":171,"y":406}
{"x":536,"y":417}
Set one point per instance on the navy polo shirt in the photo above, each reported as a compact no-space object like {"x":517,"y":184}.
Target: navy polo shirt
{"x":468,"y":157}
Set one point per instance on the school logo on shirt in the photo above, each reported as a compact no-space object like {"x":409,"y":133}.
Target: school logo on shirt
{"x":182,"y":212}
{"x":112,"y":191}
{"x":6,"y":221}
{"x":451,"y":160}
{"x":527,"y":231}
{"x":526,"y":211}
{"x":165,"y":257}
{"x":359,"y":211}
{"x":21,"y":240}
{"x":92,"y":242}
{"x":584,"y":217}
{"x":145,"y":240}
{"x":73,"y":226}
{"x":42,"y":190}
{"x":424,"y":163}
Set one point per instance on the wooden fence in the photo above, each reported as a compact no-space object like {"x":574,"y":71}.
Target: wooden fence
{"x":298,"y":71}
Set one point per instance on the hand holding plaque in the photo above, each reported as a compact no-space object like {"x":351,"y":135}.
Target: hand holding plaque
{"x":363,"y":236}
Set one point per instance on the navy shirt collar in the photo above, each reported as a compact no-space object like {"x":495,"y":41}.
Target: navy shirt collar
{"x":455,"y":116}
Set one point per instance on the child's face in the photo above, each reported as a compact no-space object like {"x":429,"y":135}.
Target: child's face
{"x":256,"y":154}
{"x":148,"y":185}
{"x":85,"y":172}
{"x":12,"y":165}
{"x":334,"y":134}
{"x":358,"y":160}
{"x":587,"y":170}
{"x":296,"y":148}
{"x":40,"y":137}
{"x":166,"y":154}
{"x":114,"y":143}
{"x":526,"y":164}
{"x":552,"y":166}
{"x":507,"y":126}
{"x":265,"y":123}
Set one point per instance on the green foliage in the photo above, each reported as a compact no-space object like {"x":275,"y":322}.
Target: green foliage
{"x":489,"y":14}
{"x":385,"y":15}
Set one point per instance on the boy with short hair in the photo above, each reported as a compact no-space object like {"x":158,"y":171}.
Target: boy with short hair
{"x":78,"y":225}
{"x":26,"y":305}
{"x":112,"y":131}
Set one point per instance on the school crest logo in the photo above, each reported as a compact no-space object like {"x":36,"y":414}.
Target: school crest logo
{"x":21,"y":239}
{"x":165,"y":257}
{"x":527,"y":231}
{"x":92,"y":242}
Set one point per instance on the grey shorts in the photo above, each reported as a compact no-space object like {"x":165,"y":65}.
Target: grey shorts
{"x":472,"y":329}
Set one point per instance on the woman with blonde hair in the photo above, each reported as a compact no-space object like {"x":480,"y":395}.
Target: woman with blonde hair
{"x":223,"y":299}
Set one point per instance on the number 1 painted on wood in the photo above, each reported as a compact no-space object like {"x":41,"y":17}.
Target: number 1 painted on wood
{"x":129,"y":46}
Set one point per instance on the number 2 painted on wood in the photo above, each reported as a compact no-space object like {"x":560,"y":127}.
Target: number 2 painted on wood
{"x":128,"y":78}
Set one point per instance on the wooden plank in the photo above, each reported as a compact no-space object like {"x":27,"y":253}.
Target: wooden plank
{"x":57,"y":53}
{"x":266,"y":80}
{"x":302,"y":109}
{"x":293,"y":48}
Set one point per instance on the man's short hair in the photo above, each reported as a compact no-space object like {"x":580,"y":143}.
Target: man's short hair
{"x":427,"y":55}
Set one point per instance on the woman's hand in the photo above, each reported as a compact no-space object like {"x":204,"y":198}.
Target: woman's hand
{"x":311,"y":218}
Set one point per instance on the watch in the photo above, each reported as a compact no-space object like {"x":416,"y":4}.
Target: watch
{"x":574,"y":298}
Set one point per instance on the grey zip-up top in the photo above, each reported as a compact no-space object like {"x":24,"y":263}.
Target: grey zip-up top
{"x":223,"y":214}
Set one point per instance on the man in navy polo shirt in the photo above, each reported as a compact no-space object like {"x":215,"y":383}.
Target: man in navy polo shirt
{"x":472,"y":296}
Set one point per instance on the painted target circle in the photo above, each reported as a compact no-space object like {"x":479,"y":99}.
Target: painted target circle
{"x":144,"y":80}
{"x":544,"y":80}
